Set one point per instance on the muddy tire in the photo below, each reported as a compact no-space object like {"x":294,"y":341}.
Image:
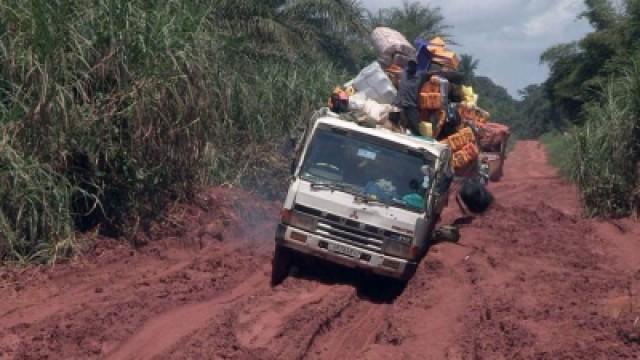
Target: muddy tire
{"x":281,"y":265}
{"x":447,"y":234}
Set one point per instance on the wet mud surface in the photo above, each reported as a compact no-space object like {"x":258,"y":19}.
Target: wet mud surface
{"x":531,"y":279}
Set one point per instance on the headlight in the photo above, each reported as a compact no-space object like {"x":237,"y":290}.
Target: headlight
{"x":395,"y":248}
{"x":397,"y":245}
{"x":303,"y":222}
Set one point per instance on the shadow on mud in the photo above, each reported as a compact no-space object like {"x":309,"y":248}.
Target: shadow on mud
{"x":376,"y":289}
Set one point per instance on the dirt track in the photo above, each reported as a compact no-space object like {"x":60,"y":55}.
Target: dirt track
{"x":529,"y":280}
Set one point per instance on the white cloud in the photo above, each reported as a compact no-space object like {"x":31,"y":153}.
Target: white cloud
{"x":555,"y":19}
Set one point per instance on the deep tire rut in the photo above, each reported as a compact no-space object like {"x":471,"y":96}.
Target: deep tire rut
{"x":531,"y":279}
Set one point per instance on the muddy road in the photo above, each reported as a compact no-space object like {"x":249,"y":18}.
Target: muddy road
{"x":529,"y":280}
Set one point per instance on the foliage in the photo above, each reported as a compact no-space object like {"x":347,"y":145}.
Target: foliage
{"x":559,"y":150}
{"x":496,"y":100}
{"x":35,"y":218}
{"x":605,"y":159}
{"x":468,"y":67}
{"x":109,"y":109}
{"x":413,"y":19}
{"x":536,"y":113}
{"x":579,"y":69}
{"x":594,"y":87}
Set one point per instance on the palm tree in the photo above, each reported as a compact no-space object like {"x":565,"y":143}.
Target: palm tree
{"x":413,"y":19}
{"x":292,"y":27}
{"x":468,"y":67}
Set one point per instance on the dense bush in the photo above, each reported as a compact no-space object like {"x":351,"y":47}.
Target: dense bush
{"x":606,"y":148}
{"x":602,"y":155}
{"x":111,"y":109}
{"x":594,"y":89}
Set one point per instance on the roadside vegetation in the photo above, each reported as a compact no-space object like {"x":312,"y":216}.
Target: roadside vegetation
{"x":590,"y":107}
{"x":112,"y":110}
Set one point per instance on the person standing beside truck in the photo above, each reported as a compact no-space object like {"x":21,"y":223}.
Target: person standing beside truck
{"x":408,"y":92}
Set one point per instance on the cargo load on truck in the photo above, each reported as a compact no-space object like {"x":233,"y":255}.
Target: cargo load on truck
{"x":372,"y":173}
{"x":446,"y":109}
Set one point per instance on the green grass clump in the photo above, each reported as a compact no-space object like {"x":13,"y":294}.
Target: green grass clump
{"x":559,"y":151}
{"x":35,"y":217}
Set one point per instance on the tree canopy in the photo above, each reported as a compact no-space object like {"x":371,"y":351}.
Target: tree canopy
{"x":413,"y":19}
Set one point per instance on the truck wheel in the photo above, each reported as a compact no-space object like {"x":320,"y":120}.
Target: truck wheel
{"x":448,"y":233}
{"x":281,"y":265}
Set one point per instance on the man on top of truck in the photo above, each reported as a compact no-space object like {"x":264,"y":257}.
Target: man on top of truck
{"x":407,"y":98}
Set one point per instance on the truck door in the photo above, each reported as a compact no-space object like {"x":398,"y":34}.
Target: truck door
{"x":444,"y":179}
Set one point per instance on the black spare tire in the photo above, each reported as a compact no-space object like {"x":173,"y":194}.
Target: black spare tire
{"x":475,"y":196}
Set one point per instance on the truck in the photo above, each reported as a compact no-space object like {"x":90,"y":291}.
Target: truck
{"x":362,"y":197}
{"x":494,"y":154}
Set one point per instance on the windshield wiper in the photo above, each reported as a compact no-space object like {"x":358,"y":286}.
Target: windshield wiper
{"x":329,"y":186}
{"x":369,"y":200}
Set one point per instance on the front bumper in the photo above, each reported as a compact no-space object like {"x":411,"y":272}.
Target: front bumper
{"x":320,"y":246}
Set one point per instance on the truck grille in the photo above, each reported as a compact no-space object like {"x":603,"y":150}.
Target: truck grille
{"x":347,"y":230}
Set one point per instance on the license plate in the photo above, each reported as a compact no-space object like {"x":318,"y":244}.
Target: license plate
{"x":344,"y":250}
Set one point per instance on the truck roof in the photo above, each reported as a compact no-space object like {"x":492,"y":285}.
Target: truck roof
{"x":415,"y":142}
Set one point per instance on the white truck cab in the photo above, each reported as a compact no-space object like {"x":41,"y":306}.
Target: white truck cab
{"x":362,"y":197}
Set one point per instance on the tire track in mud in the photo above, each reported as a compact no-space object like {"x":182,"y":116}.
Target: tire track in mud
{"x":97,"y":322}
{"x":161,"y":332}
{"x":530,"y":279}
{"x":52,"y":303}
{"x":279,"y":323}
{"x":351,"y":334}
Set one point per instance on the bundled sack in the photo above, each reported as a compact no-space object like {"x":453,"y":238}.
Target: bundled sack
{"x":376,"y":112}
{"x":339,"y":101}
{"x":374,"y":84}
{"x":469,"y":97}
{"x":465,"y":158}
{"x":400,"y":60}
{"x":434,"y":94}
{"x":473,"y":114}
{"x":443,"y":56}
{"x":460,"y":139}
{"x":437,"y":119}
{"x":426,"y":129}
{"x":388,"y":42}
{"x":492,"y":135}
{"x":394,"y":72}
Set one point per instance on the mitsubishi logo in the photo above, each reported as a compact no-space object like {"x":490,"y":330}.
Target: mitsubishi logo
{"x":354,"y":215}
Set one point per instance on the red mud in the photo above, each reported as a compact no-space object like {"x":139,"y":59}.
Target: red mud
{"x":529,"y":280}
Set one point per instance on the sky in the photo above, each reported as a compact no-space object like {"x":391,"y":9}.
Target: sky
{"x":507,"y":36}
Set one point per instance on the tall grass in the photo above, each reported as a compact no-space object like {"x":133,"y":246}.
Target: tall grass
{"x":111,"y":109}
{"x":603,"y":156}
{"x":35,"y":218}
{"x":559,"y":147}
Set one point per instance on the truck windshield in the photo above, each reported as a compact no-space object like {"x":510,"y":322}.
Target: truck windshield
{"x":367,"y":169}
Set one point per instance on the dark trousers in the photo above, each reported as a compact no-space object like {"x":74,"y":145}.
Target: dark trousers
{"x":412,"y":114}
